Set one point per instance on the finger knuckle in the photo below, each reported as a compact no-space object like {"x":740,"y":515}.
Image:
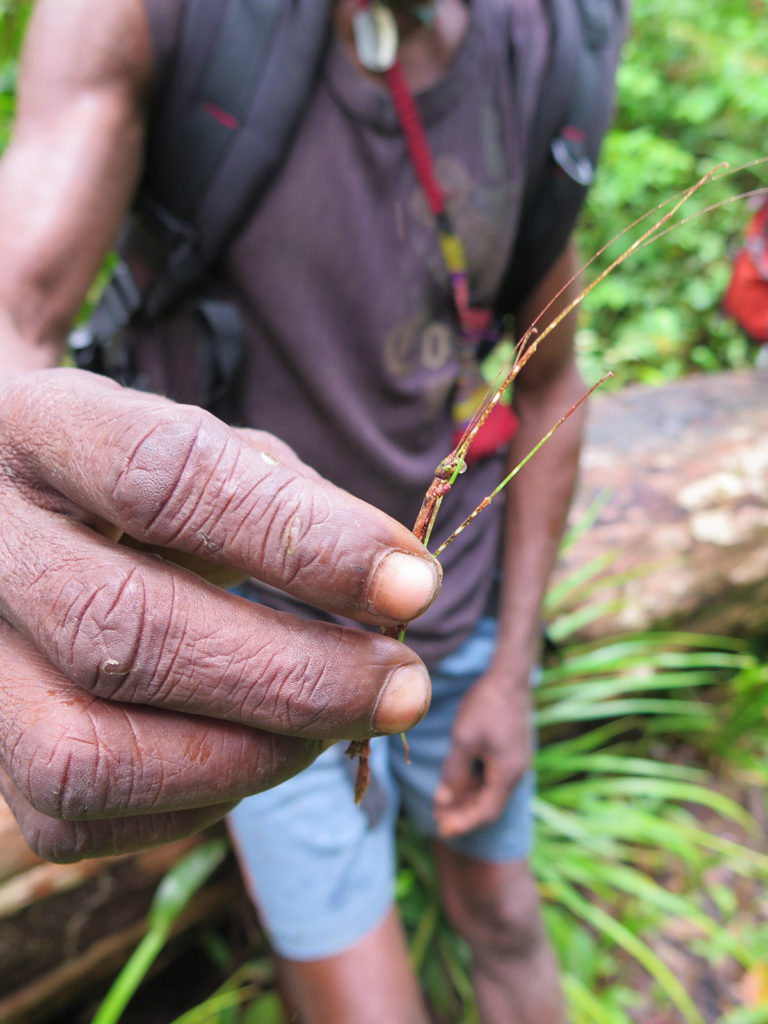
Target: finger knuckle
{"x":299,"y":685}
{"x":62,"y":768}
{"x":292,"y":516}
{"x":116,"y":633}
{"x":57,"y":841}
{"x":172,"y":455}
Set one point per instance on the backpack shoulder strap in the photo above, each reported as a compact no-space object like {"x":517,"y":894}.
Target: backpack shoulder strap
{"x":571,"y":118}
{"x":223,"y":132}
{"x":233,"y":96}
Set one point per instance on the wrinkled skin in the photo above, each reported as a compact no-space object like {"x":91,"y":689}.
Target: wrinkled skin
{"x":139,"y":702}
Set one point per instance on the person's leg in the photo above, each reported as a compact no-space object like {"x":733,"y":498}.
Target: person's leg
{"x":487,"y":887}
{"x":320,"y":870}
{"x":495,"y":908}
{"x":371,"y":983}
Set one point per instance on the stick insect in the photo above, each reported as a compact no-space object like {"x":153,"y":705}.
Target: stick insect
{"x":451,"y":467}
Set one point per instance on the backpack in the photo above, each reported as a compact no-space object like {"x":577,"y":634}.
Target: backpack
{"x":746,"y":298}
{"x":229,"y":105}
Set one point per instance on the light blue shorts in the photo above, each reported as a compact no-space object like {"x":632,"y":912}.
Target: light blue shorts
{"x":321,"y":869}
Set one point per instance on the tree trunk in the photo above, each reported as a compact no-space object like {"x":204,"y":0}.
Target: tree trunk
{"x":683,"y":471}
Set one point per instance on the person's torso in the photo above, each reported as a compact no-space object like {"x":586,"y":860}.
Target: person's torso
{"x":347,"y":306}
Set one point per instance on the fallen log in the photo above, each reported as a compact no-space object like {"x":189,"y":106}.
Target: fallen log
{"x":683,"y":533}
{"x":66,"y":982}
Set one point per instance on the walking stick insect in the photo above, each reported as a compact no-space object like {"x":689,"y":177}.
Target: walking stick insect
{"x":450,"y":468}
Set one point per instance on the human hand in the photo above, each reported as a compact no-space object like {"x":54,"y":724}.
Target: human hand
{"x":138,"y":702}
{"x":490,"y":752}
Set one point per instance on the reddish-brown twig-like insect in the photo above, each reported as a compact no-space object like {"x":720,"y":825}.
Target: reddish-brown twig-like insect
{"x":451,"y":467}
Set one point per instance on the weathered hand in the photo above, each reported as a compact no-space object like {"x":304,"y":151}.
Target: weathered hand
{"x":491,"y":750}
{"x":137,"y":701}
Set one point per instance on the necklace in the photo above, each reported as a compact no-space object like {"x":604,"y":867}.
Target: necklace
{"x":376,"y":36}
{"x":376,"y":41}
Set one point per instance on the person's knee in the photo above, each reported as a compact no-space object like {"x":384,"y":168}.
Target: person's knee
{"x":500,"y":919}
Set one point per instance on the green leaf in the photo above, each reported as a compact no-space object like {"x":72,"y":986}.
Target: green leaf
{"x":634,"y":946}
{"x":618,"y":764}
{"x":183,"y":880}
{"x":569,"y":794}
{"x":584,"y":711}
{"x":174,"y":892}
{"x":587,"y":1007}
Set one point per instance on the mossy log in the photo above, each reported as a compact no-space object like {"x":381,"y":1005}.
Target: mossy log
{"x":683,"y":472}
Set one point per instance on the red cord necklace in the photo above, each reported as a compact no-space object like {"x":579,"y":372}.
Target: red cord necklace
{"x":376,"y":42}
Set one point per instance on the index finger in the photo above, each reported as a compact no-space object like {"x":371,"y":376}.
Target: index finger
{"x":174,"y":476}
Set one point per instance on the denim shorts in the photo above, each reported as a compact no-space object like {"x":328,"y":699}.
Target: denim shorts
{"x":319,"y":868}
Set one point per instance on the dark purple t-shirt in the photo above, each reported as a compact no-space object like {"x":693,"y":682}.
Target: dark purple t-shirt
{"x":346,"y":302}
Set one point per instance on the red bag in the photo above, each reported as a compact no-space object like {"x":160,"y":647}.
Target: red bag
{"x":746,"y":299}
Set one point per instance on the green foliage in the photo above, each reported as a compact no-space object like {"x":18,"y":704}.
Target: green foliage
{"x":173,"y":894}
{"x":692,"y":93}
{"x":246,"y":997}
{"x":617,"y":820}
{"x":13,"y":20}
{"x":617,"y":815}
